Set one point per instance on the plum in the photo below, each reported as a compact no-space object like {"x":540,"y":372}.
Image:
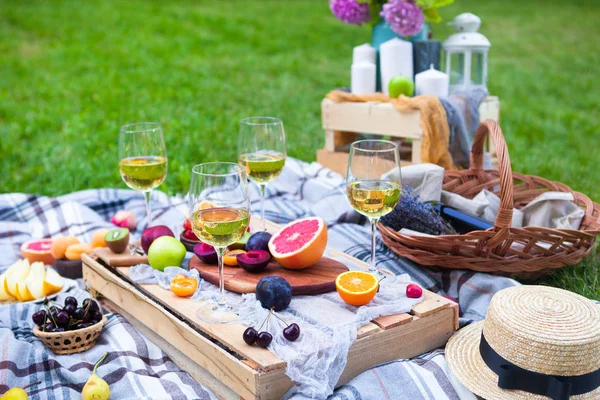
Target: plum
{"x":259,"y":241}
{"x":254,"y":261}
{"x":274,"y":292}
{"x":154,"y":233}
{"x":206,"y":253}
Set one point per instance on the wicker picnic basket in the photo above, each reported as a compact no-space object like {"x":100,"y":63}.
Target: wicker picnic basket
{"x":71,"y":342}
{"x":525,"y":253}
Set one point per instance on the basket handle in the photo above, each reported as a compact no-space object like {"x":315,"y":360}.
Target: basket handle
{"x":505,"y":212}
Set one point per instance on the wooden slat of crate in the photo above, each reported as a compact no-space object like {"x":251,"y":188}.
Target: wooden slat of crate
{"x":252,"y":372}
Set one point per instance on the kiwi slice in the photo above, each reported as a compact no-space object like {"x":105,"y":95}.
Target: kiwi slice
{"x":117,"y":239}
{"x":240,"y":244}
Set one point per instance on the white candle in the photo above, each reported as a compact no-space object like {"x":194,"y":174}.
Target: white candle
{"x":396,"y":58}
{"x":363,"y":78}
{"x":433,"y":82}
{"x":364,"y":53}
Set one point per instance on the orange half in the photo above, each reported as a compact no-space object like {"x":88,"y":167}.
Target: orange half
{"x":356,"y":288}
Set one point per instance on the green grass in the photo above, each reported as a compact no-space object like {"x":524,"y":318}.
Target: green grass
{"x":73,"y":72}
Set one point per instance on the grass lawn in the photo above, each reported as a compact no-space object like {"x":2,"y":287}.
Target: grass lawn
{"x":72,"y":72}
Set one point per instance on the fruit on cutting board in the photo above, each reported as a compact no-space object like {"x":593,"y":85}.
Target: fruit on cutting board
{"x":241,"y":244}
{"x":230,"y":257}
{"x":98,"y":238}
{"x":274,"y":292}
{"x":254,"y":261}
{"x":60,"y":244}
{"x":356,"y":288}
{"x":153,"y":233}
{"x":206,"y":253}
{"x":38,"y":250}
{"x":300,"y":243}
{"x":166,"y":251}
{"x":117,"y":239}
{"x":96,"y":388}
{"x":413,"y":291}
{"x":26,"y":282}
{"x":75,"y":251}
{"x":259,"y":241}
{"x":183,"y":286}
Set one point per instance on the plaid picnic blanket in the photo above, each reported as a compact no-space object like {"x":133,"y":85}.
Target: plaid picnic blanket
{"x":137,"y":369}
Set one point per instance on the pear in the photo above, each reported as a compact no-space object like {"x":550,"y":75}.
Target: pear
{"x":96,"y":388}
{"x":17,"y":393}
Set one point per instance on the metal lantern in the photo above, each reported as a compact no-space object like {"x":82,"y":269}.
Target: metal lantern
{"x":466,"y":54}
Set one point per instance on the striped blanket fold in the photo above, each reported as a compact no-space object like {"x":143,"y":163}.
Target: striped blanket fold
{"x":136,"y":368}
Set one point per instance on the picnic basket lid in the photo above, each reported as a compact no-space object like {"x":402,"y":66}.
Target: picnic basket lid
{"x":544,"y":330}
{"x":527,"y":252}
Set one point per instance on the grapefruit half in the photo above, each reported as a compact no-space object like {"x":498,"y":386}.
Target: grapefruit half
{"x":38,"y":250}
{"x":300,"y":243}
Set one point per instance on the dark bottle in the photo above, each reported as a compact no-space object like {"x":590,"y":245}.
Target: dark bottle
{"x":461,"y":221}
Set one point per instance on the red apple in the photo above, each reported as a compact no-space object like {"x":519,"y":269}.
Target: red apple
{"x":152,"y":233}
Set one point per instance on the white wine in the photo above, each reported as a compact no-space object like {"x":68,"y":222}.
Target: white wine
{"x":373,"y":199}
{"x":220,"y":227}
{"x":262,"y":167}
{"x":143,"y":173}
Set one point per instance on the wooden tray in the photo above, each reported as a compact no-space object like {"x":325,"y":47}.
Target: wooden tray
{"x":318,"y":279}
{"x":248,"y":371}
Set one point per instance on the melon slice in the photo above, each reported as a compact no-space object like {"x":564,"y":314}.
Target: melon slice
{"x":300,"y":243}
{"x":23,"y":294}
{"x":35,"y":280}
{"x":53,"y":282}
{"x":38,"y":250}
{"x":19,"y":274}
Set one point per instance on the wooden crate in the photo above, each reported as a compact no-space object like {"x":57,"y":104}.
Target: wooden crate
{"x":343,"y":122}
{"x":216,"y":355}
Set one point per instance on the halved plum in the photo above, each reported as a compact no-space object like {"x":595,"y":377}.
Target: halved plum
{"x":254,"y":261}
{"x":206,"y":253}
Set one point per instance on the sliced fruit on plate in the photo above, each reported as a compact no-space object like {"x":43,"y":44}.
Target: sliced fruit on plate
{"x":53,"y":282}
{"x":23,"y":294}
{"x":17,"y":275}
{"x":38,"y":250}
{"x":4,"y":293}
{"x":356,"y":288}
{"x":35,"y":280}
{"x":300,"y":243}
{"x":230,"y":258}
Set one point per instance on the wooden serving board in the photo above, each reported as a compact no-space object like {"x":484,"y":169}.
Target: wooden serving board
{"x":318,"y":279}
{"x":124,"y":259}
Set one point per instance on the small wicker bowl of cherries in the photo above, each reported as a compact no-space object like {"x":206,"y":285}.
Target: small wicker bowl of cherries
{"x":70,"y":328}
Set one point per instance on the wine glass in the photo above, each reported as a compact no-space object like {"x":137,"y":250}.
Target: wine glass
{"x":373,"y":185}
{"x":261,"y":149}
{"x":143,"y":158}
{"x":220,"y":214}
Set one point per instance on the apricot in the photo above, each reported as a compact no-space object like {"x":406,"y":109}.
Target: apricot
{"x":98,"y":238}
{"x":75,"y":251}
{"x":60,"y":244}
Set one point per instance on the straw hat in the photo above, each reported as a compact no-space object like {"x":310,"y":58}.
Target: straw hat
{"x":552,"y":334}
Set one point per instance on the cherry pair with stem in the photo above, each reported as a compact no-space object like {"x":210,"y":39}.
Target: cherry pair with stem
{"x":264,"y":339}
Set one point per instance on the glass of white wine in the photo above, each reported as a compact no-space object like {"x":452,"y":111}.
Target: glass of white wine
{"x":143,"y":158}
{"x":220,"y":214}
{"x":261,"y":149}
{"x":373,"y":185}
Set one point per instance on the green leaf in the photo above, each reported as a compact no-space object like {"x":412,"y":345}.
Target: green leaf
{"x":441,"y":3}
{"x":374,"y":12}
{"x":425,"y":4}
{"x":432,"y":15}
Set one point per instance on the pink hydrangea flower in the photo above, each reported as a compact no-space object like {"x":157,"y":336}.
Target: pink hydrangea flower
{"x":405,"y":18}
{"x":350,"y":11}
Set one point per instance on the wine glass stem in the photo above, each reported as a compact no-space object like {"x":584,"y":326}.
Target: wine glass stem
{"x":263,"y":187}
{"x":220,"y":253}
{"x":147,"y":195}
{"x":372,"y":267}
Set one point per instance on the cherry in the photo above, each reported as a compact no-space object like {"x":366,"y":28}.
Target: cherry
{"x":250,"y":335}
{"x":413,"y":291}
{"x":71,"y":300}
{"x":292,"y":332}
{"x":264,"y":339}
{"x":39,"y":317}
{"x":62,"y":318}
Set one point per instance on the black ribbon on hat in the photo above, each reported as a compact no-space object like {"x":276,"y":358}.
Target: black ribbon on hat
{"x":513,"y":377}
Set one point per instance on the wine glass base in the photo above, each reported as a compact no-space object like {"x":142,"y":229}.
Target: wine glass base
{"x":385,"y":276}
{"x":215,"y":313}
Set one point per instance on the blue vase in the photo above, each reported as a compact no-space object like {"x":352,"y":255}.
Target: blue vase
{"x":382,"y":32}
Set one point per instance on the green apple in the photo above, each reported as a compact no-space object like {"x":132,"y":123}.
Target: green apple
{"x":166,"y":251}
{"x":401,"y":84}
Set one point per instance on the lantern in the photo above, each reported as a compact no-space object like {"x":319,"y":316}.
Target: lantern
{"x":466,"y":54}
